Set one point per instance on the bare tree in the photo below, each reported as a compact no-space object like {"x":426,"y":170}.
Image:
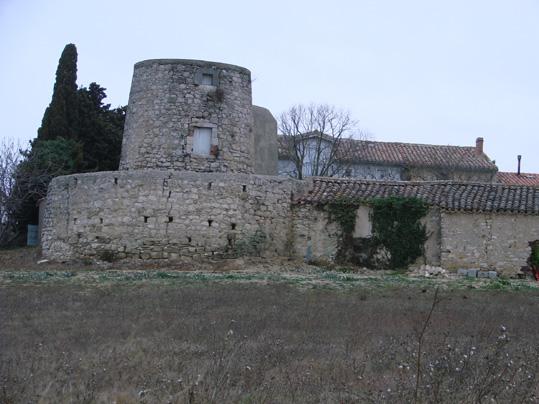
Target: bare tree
{"x":316,"y":140}
{"x":10,"y":158}
{"x":24,"y":179}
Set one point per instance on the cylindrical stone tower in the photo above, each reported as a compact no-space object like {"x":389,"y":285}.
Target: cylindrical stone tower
{"x":189,"y":115}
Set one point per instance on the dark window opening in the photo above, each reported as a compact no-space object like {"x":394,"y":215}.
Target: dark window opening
{"x":146,"y":219}
{"x":209,"y":185}
{"x":189,"y":239}
{"x":207,"y":79}
{"x":101,"y":220}
{"x":75,"y":221}
{"x":244,"y":188}
{"x":210,"y":222}
{"x":233,"y":226}
{"x":115,"y":181}
{"x":170,"y":219}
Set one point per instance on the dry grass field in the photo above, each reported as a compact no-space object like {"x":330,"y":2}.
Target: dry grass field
{"x":102,"y":335}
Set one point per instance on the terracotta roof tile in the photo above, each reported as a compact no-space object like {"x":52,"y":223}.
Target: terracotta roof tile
{"x":506,"y":178}
{"x":409,"y":155}
{"x":472,"y":197}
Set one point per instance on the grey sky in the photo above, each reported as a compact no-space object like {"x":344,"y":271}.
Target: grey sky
{"x":441,"y":72}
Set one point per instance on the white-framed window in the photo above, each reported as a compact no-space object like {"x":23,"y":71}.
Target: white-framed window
{"x":202,"y":141}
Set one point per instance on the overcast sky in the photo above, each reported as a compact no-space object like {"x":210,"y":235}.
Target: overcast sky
{"x":440,"y":72}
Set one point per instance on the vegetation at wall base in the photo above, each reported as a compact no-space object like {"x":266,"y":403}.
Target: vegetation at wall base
{"x":396,"y":227}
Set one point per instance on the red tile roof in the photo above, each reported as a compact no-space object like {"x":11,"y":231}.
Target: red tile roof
{"x":531,"y":180}
{"x":473,"y":197}
{"x":410,"y":155}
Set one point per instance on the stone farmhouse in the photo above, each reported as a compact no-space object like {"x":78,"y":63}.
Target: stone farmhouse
{"x":393,"y":161}
{"x":198,"y":179}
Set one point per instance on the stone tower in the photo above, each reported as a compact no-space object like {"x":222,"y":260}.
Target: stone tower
{"x":189,"y":115}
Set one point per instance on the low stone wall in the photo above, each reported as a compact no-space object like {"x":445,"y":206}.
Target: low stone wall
{"x":165,"y":214}
{"x":168,"y":214}
{"x":487,"y":240}
{"x":317,"y":237}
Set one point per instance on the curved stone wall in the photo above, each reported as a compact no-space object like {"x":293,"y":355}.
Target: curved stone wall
{"x":171,"y":99}
{"x":165,"y":214}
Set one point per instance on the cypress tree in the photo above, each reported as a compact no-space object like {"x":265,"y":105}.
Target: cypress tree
{"x":61,"y":116}
{"x":100,"y":130}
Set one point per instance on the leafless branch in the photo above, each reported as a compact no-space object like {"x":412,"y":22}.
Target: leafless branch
{"x":317,"y":139}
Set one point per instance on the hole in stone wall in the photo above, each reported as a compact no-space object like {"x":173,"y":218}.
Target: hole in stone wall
{"x":209,"y":185}
{"x":101,"y":220}
{"x":115,"y":181}
{"x":233,"y":226}
{"x":75,"y":221}
{"x":230,"y":242}
{"x":210,"y":222}
{"x":244,"y":188}
{"x":146,"y":219}
{"x":170,"y":219}
{"x":189,"y":239}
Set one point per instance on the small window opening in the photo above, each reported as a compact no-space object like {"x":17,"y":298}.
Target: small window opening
{"x":146,"y":219}
{"x":233,"y":226}
{"x":230,"y":242}
{"x":207,"y":79}
{"x":244,"y":188}
{"x":210,"y":222}
{"x":202,"y":141}
{"x":170,"y":219}
{"x":101,"y":220}
{"x":75,"y":221}
{"x":115,"y":181}
{"x":189,"y":239}
{"x":209,"y":185}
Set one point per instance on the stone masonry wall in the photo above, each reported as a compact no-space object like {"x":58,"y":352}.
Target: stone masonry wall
{"x":164,"y":214}
{"x":487,"y":240}
{"x":315,"y":236}
{"x":318,"y":237}
{"x":169,"y":98}
{"x":436,"y":174}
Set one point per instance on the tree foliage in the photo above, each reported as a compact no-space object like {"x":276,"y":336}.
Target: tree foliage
{"x":78,"y":133}
{"x":100,"y":130}
{"x":61,"y":116}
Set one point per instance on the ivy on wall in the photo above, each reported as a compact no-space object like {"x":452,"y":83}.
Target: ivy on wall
{"x":343,"y":211}
{"x":396,"y":224}
{"x":396,"y":227}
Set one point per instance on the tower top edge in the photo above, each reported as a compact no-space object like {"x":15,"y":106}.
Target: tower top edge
{"x":191,"y":62}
